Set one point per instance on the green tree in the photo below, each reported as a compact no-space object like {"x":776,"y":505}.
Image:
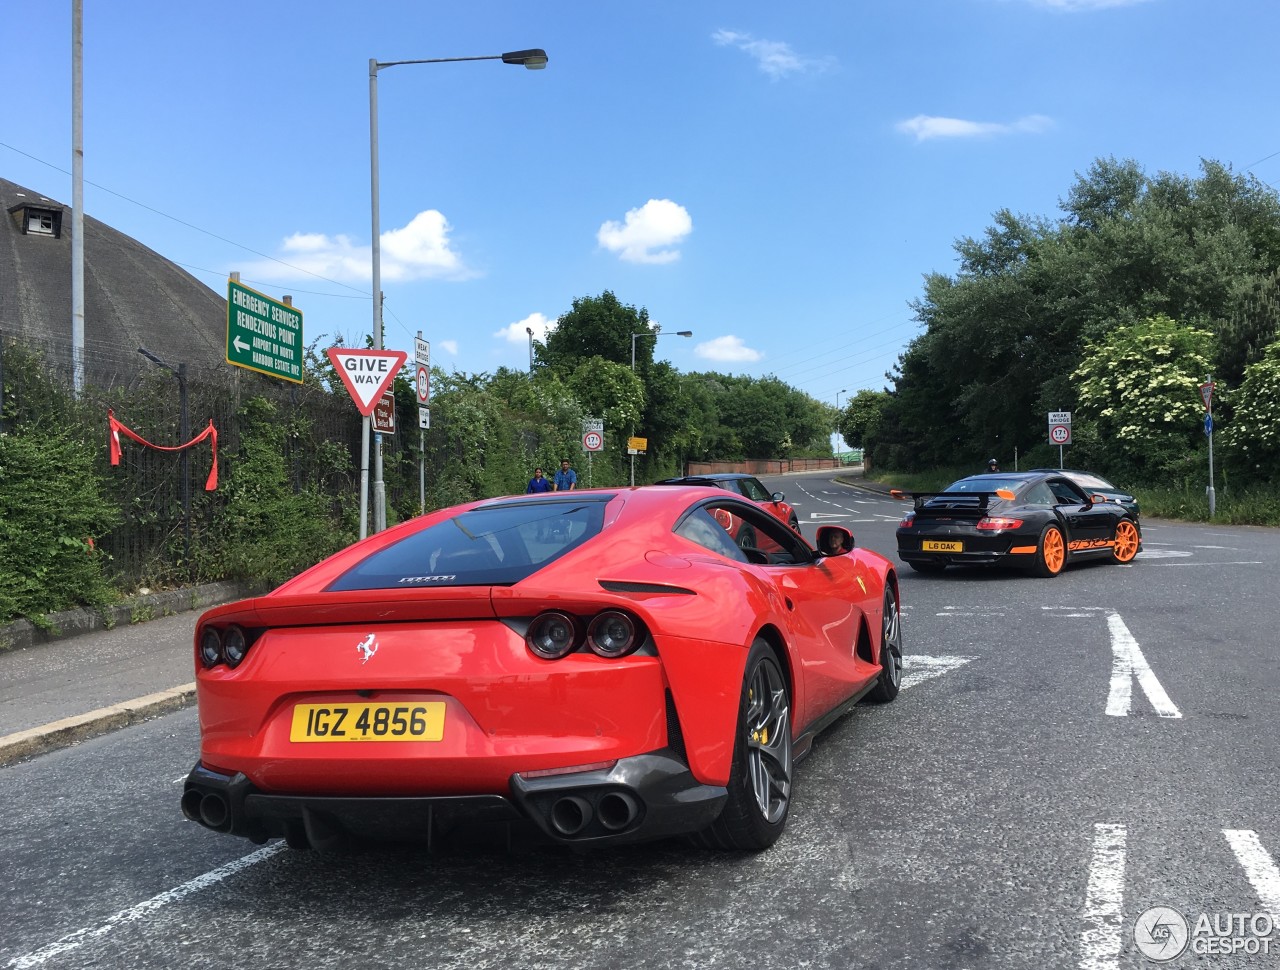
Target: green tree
{"x":596,"y":326}
{"x":860,"y":419}
{"x":1252,"y":438}
{"x":1004,"y":334}
{"x":1139,"y":408}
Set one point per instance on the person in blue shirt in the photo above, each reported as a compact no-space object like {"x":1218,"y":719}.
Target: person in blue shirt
{"x":566,"y":477}
{"x":538,"y":483}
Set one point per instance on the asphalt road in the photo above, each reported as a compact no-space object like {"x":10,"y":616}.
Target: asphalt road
{"x":1068,"y":754}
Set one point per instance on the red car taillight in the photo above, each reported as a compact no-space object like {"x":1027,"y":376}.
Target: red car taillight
{"x":609,"y":634}
{"x":227,"y":646}
{"x":908,"y":521}
{"x":552,"y":636}
{"x":998,"y":523}
{"x":612,"y":634}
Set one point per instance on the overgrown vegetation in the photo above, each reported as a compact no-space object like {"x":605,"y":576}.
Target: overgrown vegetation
{"x":288,"y":494}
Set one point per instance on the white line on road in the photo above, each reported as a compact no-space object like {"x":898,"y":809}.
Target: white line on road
{"x":1101,"y":938}
{"x":80,"y":937}
{"x":1258,"y":866}
{"x":917,"y":669}
{"x":1128,"y":663}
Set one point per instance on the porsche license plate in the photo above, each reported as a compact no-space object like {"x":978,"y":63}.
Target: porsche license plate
{"x":423,"y":721}
{"x":937,"y":545}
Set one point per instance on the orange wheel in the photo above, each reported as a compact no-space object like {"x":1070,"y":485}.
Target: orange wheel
{"x":1126,"y":541}
{"x":1052,"y":554}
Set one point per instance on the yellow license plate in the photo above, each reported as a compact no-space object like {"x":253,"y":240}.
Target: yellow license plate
{"x":423,"y":721}
{"x":936,"y":545}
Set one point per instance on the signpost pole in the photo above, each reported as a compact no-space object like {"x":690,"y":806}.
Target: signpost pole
{"x":1207,"y":393}
{"x":364,"y":477}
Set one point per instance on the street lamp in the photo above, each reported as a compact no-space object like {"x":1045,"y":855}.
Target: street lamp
{"x":655,"y":336}
{"x":838,"y":393}
{"x":533,"y":59}
{"x":184,"y":433}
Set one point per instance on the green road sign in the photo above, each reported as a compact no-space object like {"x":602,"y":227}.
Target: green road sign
{"x":263,"y":334}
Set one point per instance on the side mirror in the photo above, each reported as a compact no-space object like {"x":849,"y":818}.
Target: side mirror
{"x":834,"y":540}
{"x":779,"y":497}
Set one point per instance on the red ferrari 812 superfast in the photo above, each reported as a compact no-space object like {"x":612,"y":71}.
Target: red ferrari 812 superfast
{"x":590,"y":667}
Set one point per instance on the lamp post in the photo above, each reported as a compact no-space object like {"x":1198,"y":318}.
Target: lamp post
{"x":529,"y":331}
{"x":184,"y":434}
{"x":655,"y":336}
{"x":533,"y":59}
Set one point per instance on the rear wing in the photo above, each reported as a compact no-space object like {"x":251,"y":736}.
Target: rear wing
{"x":954,"y":501}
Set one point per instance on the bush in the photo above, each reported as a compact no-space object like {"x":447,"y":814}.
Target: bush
{"x":52,"y":511}
{"x":269,"y":531}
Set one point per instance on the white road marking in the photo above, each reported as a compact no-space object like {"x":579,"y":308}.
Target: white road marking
{"x":916,"y":669}
{"x":1258,"y":866}
{"x":80,"y":937}
{"x":1163,"y":553}
{"x":1102,"y":938}
{"x":1128,"y":663}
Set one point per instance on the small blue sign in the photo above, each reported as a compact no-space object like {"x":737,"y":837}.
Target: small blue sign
{"x":1208,"y":424}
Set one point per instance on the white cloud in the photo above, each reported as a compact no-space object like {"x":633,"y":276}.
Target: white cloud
{"x":419,"y":250}
{"x":727,"y":350}
{"x":649,"y":233}
{"x":516,"y":333}
{"x":448,"y":346}
{"x":774,"y":57}
{"x":925,"y":127}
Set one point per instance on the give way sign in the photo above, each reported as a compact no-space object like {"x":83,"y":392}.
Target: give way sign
{"x":367,"y":373}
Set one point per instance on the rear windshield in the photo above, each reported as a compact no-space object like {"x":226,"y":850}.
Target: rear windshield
{"x":985,"y":484}
{"x":488,"y":546}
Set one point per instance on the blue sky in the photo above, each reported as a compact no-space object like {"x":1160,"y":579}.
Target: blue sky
{"x":776,"y":178}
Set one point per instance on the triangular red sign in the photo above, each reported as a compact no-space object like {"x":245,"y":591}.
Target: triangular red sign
{"x":367,"y":373}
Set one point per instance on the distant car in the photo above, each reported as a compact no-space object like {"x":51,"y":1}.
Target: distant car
{"x":469,"y":675}
{"x":747,"y":486}
{"x":1037,"y":520}
{"x":1095,"y":484}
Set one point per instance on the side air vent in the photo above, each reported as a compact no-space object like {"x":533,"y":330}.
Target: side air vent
{"x":614,"y":586}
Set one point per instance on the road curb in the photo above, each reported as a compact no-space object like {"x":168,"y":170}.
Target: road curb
{"x":21,"y":634}
{"x":81,"y":727}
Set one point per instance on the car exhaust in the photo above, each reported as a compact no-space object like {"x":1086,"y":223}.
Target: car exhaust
{"x":618,"y":810}
{"x":215,"y":813}
{"x":191,"y":799}
{"x":570,"y":815}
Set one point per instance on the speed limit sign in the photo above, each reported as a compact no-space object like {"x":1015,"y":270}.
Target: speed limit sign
{"x":1060,"y":434}
{"x":592,"y":441}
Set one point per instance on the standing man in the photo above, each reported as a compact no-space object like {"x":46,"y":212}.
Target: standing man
{"x":538,"y":483}
{"x":566,"y":477}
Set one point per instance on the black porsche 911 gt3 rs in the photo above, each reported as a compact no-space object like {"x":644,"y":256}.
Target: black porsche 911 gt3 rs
{"x":1040,"y":521}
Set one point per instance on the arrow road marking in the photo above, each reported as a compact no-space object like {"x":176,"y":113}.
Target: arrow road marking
{"x":1128,"y":663}
{"x":917,"y":669}
{"x":1258,"y":866}
{"x":1101,"y":939}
